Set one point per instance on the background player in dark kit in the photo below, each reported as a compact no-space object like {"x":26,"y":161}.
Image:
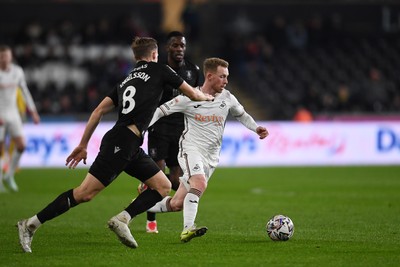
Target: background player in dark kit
{"x":163,"y":139}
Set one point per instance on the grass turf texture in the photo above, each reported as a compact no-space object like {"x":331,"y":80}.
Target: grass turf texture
{"x":343,"y":216}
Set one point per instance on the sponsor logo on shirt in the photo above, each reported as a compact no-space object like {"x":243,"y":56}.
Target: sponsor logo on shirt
{"x":209,"y":118}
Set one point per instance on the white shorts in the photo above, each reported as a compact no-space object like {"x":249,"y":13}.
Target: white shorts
{"x":193,"y":163}
{"x":12,"y":125}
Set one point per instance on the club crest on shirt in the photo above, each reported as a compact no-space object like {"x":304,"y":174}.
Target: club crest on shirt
{"x":189,"y":75}
{"x":223,"y":105}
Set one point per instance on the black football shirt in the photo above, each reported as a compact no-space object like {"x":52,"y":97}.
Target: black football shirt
{"x":174,"y":123}
{"x":138,"y":96}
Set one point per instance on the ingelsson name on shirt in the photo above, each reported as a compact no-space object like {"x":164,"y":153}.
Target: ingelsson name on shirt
{"x":136,"y":75}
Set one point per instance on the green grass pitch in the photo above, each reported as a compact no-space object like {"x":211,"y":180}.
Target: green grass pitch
{"x":343,"y":216}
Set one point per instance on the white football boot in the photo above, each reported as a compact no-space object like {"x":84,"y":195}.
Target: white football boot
{"x":25,"y":236}
{"x":122,"y":231}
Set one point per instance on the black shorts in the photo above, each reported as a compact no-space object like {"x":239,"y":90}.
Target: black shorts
{"x":120,"y":151}
{"x":164,"y":147}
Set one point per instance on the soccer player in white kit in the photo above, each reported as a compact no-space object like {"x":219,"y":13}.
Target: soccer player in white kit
{"x":11,"y":78}
{"x":201,"y":140}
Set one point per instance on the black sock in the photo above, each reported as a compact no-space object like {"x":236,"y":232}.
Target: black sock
{"x":61,"y":204}
{"x":151,"y":216}
{"x":143,"y":202}
{"x":175,"y":183}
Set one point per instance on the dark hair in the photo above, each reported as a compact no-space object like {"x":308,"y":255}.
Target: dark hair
{"x":143,"y":46}
{"x":174,"y":34}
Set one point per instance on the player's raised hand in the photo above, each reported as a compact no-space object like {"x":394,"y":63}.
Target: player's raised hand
{"x":79,"y":153}
{"x":262,"y":132}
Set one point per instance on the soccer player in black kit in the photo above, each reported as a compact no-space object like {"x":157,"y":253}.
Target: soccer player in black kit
{"x":163,"y":136}
{"x":136,"y":99}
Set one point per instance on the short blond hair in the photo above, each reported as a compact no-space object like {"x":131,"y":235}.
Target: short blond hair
{"x":211,"y":64}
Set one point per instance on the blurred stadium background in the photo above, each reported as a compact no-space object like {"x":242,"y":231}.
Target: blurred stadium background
{"x":291,"y":60}
{"x":338,"y":61}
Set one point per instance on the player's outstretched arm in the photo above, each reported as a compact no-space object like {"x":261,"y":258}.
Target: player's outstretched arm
{"x":250,"y":123}
{"x":193,"y":94}
{"x":158,"y":114}
{"x":80,"y":152}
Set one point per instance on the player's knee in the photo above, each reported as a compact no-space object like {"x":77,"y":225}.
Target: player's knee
{"x":165,"y":188}
{"x":87,"y":198}
{"x":82,"y":196}
{"x":200,"y":183}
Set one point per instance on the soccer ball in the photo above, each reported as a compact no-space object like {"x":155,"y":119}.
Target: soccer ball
{"x":280,"y":228}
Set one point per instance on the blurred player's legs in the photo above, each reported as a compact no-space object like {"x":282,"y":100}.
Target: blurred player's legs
{"x":18,"y":148}
{"x":10,"y":182}
{"x":2,"y":163}
{"x":2,"y":188}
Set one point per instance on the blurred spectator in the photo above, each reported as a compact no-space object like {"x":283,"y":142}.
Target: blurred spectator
{"x":297,"y":34}
{"x":276,"y":31}
{"x":344,"y":100}
{"x":242,"y":24}
{"x":378,"y":91}
{"x":303,"y":115}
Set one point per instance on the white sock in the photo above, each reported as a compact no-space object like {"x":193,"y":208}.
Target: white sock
{"x":124,"y":216}
{"x":33,"y":223}
{"x":190,"y":205}
{"x":16,"y":156}
{"x":160,"y":206}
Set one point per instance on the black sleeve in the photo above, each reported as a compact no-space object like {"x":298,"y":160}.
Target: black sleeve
{"x":197,"y":76}
{"x":113,"y":94}
{"x":171,"y":77}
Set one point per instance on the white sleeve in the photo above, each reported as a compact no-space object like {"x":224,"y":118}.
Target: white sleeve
{"x":241,"y":115}
{"x":25,"y":91}
{"x":157,"y":115}
{"x":247,"y":121}
{"x":177,"y":104}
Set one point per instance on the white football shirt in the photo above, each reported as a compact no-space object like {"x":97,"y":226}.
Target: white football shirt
{"x":10,"y":80}
{"x":204,"y":122}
